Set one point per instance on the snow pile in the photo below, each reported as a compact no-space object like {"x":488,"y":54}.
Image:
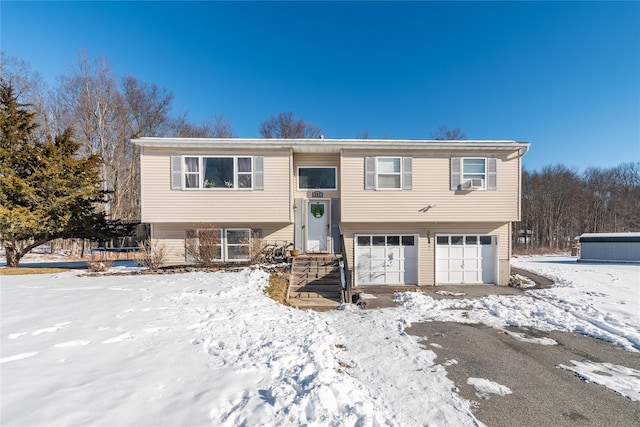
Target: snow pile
{"x":625,"y":381}
{"x":486,"y":387}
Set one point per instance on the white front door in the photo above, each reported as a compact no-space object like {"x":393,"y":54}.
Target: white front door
{"x":317,"y":225}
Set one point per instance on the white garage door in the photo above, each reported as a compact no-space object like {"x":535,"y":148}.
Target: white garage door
{"x":390,"y":259}
{"x":465,"y":259}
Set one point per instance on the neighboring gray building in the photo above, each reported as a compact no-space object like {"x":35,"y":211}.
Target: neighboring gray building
{"x":610,"y":247}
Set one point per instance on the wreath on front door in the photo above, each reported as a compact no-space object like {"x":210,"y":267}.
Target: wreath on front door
{"x":317,"y":210}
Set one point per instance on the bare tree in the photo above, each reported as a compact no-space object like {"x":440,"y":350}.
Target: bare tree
{"x":93,"y":106}
{"x":106,"y":116}
{"x":145,"y":112}
{"x":29,"y":88}
{"x":444,"y":133}
{"x":285,"y":126}
{"x":147,"y":108}
{"x":558,"y":204}
{"x":218,"y":128}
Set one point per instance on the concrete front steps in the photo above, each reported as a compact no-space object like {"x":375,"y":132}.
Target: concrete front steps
{"x":314,"y":282}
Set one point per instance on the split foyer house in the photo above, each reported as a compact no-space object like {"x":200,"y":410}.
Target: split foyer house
{"x":401,"y":212}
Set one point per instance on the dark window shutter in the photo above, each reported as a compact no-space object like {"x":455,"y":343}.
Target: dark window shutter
{"x":258,"y":173}
{"x":335,"y":225}
{"x":176,"y":173}
{"x":298,"y":231}
{"x":369,"y":173}
{"x":456,"y":163}
{"x":492,"y":174}
{"x":407,"y":173}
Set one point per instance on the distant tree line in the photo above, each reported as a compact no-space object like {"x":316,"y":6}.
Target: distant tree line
{"x":559,"y":204}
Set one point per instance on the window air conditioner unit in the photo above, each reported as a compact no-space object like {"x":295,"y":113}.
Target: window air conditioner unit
{"x":473,"y":184}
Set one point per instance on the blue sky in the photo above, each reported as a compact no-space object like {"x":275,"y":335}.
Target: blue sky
{"x":563,"y":76}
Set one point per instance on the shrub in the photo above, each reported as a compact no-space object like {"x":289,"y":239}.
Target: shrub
{"x":99,"y":265}
{"x":203,"y":245}
{"x":257,"y":248}
{"x":151,"y":254}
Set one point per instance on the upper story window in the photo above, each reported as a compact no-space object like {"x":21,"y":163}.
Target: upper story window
{"x":474,"y":173}
{"x":317,"y":178}
{"x":217,"y":172}
{"x":388,"y":173}
{"x":192,"y":172}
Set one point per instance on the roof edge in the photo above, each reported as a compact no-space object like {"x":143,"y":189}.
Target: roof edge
{"x":327,"y":144}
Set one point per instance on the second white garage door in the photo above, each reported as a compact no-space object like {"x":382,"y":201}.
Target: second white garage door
{"x":390,"y":259}
{"x":465,"y":259}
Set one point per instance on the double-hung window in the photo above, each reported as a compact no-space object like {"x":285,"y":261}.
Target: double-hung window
{"x":217,"y":244}
{"x":237,"y":244}
{"x":192,"y":172}
{"x":203,"y":244}
{"x":388,"y":173}
{"x":474,"y":173}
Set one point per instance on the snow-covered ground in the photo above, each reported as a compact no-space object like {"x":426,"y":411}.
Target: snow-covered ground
{"x":212,"y":349}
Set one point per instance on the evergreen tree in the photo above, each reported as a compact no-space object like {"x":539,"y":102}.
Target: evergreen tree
{"x":47,"y":190}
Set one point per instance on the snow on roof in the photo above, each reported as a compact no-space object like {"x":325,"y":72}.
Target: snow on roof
{"x":610,"y":237}
{"x":330,"y":145}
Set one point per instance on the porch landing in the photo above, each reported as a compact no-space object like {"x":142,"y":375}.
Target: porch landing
{"x":314,"y":282}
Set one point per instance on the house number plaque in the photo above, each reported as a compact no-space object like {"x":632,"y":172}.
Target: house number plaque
{"x":317,"y":194}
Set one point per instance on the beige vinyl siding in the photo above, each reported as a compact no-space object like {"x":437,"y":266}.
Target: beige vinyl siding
{"x":431,"y":186}
{"x":303,"y":159}
{"x":161,"y":204}
{"x":427,"y":243}
{"x":172,"y":236}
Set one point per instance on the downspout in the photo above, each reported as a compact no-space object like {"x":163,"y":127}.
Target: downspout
{"x":292,"y":215}
{"x":524,"y":150}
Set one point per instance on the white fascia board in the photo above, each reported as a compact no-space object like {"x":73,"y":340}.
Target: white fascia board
{"x":329,"y":145}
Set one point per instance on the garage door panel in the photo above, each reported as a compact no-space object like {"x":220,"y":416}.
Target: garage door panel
{"x":465,"y":259}
{"x":471,"y":251}
{"x":456,"y":277}
{"x":471,"y":264}
{"x":395,"y":264}
{"x":377,"y":265}
{"x":456,"y":252}
{"x":391,"y":259}
{"x":378,"y":278}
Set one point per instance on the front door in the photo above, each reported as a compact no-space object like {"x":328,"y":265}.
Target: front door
{"x":318,"y":225}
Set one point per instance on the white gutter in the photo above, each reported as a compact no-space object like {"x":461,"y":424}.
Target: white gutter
{"x":329,"y":145}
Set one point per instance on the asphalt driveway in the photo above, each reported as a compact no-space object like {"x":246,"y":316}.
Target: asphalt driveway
{"x":542,"y":394}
